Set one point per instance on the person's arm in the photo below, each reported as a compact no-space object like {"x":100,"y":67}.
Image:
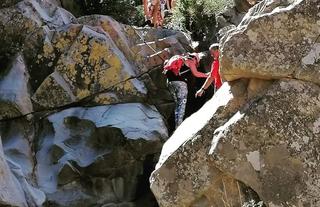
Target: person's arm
{"x":145,"y":9}
{"x":191,"y":64}
{"x":168,"y":5}
{"x":173,"y":3}
{"x":205,"y":86}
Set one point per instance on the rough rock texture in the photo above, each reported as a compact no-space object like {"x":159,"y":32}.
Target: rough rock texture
{"x":185,"y":175}
{"x":268,"y":145}
{"x":83,"y":106}
{"x":231,"y":16}
{"x":257,"y":139}
{"x":277,"y":41}
{"x":93,"y":58}
{"x":11,"y":193}
{"x":14,"y":90}
{"x":8,"y":3}
{"x":17,"y":144}
{"x":96,"y":155}
{"x":275,"y":142}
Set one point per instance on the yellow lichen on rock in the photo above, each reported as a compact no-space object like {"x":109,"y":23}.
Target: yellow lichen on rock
{"x":106,"y":98}
{"x":68,"y":70}
{"x":48,"y":50}
{"x":62,"y":43}
{"x":82,"y":93}
{"x":98,"y":52}
{"x":110,"y":77}
{"x":128,"y":87}
{"x":119,"y":39}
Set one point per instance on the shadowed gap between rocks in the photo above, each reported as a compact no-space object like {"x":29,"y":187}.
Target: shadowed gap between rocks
{"x":143,"y":193}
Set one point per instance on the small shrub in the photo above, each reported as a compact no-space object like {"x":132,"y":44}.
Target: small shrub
{"x":198,"y":17}
{"x":124,"y":11}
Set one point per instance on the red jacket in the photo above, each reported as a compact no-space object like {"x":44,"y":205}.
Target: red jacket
{"x":215,"y":74}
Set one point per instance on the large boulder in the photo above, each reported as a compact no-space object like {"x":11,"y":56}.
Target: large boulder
{"x":259,"y":145}
{"x":54,"y":61}
{"x":271,"y":144}
{"x":92,"y":64}
{"x":255,"y":143}
{"x":275,"y":40}
{"x":51,"y":61}
{"x":97,"y":154}
{"x":17,"y":147}
{"x":14,"y":89}
{"x":11,"y":193}
{"x":183,"y":174}
{"x":124,"y":36}
{"x":93,"y":59}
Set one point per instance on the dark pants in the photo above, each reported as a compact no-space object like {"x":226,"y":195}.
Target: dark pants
{"x":179,"y":91}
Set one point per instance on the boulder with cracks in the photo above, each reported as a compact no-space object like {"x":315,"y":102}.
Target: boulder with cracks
{"x":84,"y":106}
{"x":256,"y":141}
{"x":96,"y":155}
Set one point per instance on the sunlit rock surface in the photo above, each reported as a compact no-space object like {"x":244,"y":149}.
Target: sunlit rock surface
{"x":84,"y":106}
{"x":11,"y":193}
{"x":275,"y":39}
{"x":256,"y":141}
{"x":267,"y":145}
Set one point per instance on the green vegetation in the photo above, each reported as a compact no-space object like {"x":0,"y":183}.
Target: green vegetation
{"x":124,"y":11}
{"x":198,"y":17}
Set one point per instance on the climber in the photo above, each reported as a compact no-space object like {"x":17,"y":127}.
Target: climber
{"x":148,"y":6}
{"x":165,"y":5}
{"x":176,"y":70}
{"x":154,"y":11}
{"x":171,"y":4}
{"x":214,"y":74}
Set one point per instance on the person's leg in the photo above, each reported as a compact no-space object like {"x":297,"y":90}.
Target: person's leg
{"x":182,"y":101}
{"x":179,"y":91}
{"x":172,"y":90}
{"x":150,"y":10}
{"x":148,"y":6}
{"x":155,"y":12}
{"x":145,"y":10}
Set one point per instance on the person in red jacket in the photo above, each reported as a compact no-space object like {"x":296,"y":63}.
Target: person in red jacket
{"x":176,"y":70}
{"x":214,"y":74}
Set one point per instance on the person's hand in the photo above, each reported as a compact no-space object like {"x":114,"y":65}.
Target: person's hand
{"x":200,"y":92}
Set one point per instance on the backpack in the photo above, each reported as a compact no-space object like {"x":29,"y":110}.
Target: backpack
{"x":174,"y":64}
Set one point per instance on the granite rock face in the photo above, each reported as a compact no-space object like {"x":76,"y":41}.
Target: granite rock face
{"x":231,"y":16}
{"x":256,"y":141}
{"x":11,"y":193}
{"x":84,"y":106}
{"x":96,"y":155}
{"x":267,"y":144}
{"x":14,"y":89}
{"x":275,"y":40}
